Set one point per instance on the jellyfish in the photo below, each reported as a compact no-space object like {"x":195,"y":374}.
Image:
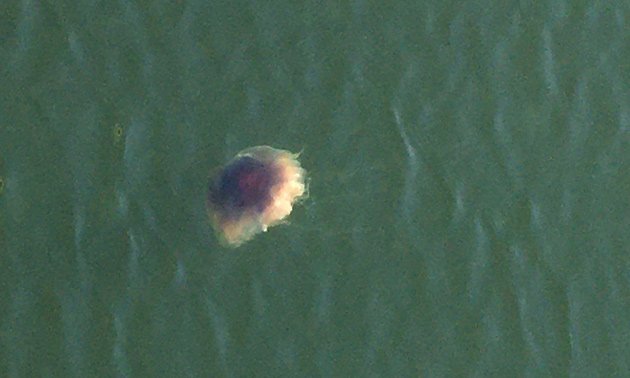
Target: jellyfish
{"x":254,"y":191}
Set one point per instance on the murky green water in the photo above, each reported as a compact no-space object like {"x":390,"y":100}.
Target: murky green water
{"x":469,"y":189}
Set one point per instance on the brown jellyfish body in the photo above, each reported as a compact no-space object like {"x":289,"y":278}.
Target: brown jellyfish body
{"x":255,"y":190}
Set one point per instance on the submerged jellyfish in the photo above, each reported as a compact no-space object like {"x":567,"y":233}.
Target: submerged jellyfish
{"x":255,"y":190}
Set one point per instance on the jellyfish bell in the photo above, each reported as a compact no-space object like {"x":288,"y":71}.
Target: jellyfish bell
{"x":255,"y":190}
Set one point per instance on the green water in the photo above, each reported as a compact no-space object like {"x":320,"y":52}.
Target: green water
{"x":469,"y":198}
